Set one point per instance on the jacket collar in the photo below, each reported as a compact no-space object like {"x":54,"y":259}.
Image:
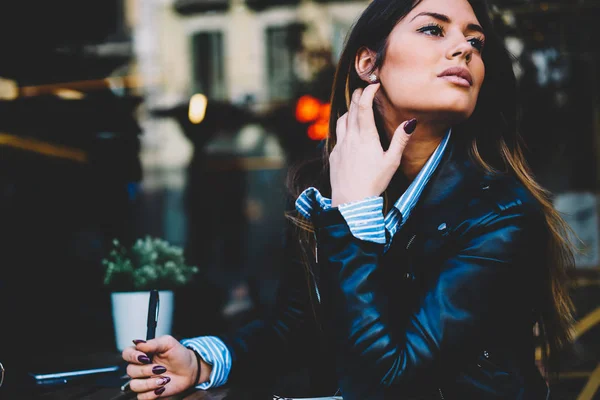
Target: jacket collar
{"x":456,"y":181}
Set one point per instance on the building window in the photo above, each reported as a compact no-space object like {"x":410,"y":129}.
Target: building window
{"x":260,"y":5}
{"x":209,"y":65}
{"x":188,"y":7}
{"x":282,"y":44}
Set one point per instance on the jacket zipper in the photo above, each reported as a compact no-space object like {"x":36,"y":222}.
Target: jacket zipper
{"x":441,"y":394}
{"x":410,"y":242}
{"x":410,"y":273}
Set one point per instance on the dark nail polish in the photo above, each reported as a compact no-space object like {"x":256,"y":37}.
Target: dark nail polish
{"x":159,"y":369}
{"x":144,"y":359}
{"x":138,"y":341}
{"x":159,"y":391}
{"x":410,"y":126}
{"x":163,"y":381}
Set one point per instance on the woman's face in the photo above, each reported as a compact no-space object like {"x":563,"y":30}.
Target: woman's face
{"x":433,"y":62}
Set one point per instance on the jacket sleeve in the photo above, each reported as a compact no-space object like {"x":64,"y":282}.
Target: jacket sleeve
{"x":257,"y":347}
{"x":475,"y":289}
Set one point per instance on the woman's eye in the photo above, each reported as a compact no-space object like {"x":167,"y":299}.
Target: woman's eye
{"x":432,"y":30}
{"x":476,"y":43}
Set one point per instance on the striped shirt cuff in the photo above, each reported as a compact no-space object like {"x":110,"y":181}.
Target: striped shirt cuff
{"x":364,"y":217}
{"x":214,"y":352}
{"x":309,"y":199}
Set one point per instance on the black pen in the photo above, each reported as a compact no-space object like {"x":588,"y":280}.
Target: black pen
{"x":152,"y":316}
{"x":151,"y":322}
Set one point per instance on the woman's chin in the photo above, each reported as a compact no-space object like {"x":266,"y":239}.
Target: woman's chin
{"x":452,"y":115}
{"x":449,"y":111}
{"x":457,"y":110}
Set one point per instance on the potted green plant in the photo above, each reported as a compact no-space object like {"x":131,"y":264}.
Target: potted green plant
{"x":131,"y":272}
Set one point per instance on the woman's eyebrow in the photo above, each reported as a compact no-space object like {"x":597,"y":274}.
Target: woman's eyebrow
{"x":445,"y":18}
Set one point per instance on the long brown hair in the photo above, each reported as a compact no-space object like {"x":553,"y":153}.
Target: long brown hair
{"x":493,"y":141}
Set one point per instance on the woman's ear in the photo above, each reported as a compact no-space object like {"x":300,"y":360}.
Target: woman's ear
{"x":365,"y":65}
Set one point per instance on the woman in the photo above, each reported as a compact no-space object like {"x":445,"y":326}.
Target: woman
{"x":430,"y":251}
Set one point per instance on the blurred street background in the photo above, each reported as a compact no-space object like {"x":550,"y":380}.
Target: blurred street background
{"x":179,"y":119}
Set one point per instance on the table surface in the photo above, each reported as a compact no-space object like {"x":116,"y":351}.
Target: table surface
{"x":95,"y":393}
{"x":107,"y":387}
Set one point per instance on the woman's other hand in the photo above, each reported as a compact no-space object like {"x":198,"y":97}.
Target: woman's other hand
{"x":172,"y":370}
{"x":359,"y":167}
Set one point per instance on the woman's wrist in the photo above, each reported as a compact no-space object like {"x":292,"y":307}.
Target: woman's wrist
{"x":201,"y":373}
{"x":197,"y":369}
{"x":205,"y":370}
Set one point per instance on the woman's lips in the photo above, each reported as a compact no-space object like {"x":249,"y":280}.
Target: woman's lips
{"x":458,"y":75}
{"x":457,"y":80}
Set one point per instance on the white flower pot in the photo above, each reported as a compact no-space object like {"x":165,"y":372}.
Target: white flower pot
{"x":130,"y":311}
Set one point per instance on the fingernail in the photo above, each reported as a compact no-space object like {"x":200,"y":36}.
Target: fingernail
{"x":159,"y":369}
{"x":138,"y":341}
{"x":144,"y":359}
{"x":163,"y":381}
{"x":159,"y":391}
{"x":410,"y":126}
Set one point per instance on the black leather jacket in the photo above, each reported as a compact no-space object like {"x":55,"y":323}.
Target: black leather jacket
{"x":446,"y":313}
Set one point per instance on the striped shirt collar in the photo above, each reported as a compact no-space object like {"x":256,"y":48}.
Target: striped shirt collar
{"x":399,"y":214}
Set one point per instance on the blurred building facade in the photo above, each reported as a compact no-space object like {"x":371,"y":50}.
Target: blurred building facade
{"x":255,"y":55}
{"x":246,"y":52}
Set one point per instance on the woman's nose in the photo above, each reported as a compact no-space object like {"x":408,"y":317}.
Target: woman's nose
{"x":460,"y":48}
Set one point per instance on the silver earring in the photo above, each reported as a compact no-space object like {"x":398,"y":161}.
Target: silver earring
{"x":373,"y":78}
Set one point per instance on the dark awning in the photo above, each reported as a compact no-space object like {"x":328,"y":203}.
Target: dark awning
{"x":258,"y":5}
{"x":186,"y":7}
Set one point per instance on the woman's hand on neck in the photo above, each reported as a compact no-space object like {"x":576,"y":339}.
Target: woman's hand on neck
{"x":425,"y":139}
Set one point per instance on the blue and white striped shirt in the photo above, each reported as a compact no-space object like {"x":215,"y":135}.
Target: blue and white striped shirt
{"x":366,"y":222}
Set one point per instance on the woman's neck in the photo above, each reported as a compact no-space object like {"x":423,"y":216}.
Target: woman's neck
{"x":418,"y":150}
{"x":423,"y":142}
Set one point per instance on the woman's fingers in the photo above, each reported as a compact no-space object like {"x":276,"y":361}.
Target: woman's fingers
{"x":154,"y":394}
{"x":366,"y":117}
{"x":400,"y":140}
{"x":353,"y":111}
{"x":341,"y":128}
{"x":360,"y":114}
{"x":161,"y":344}
{"x":144,"y":371}
{"x":149,"y":385}
{"x":134,"y":356}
